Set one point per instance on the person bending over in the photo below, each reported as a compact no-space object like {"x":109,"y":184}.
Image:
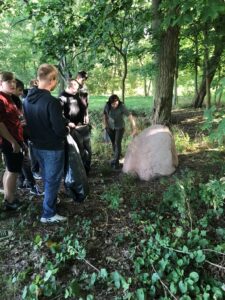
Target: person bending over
{"x":114,"y":112}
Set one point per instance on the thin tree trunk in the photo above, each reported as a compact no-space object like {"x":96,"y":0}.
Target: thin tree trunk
{"x":196,"y":63}
{"x":175,"y":96}
{"x":208,"y":83}
{"x":213,"y":62}
{"x":124,"y":76}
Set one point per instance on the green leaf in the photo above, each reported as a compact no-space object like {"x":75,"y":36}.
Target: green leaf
{"x":48,"y":275}
{"x":199,"y":256}
{"x":33,"y":288}
{"x":173,"y":288}
{"x":103,"y":273}
{"x":155,"y":277}
{"x":182,"y":286}
{"x":179,"y":232}
{"x":93,"y":279}
{"x":116,"y":279}
{"x":194,"y":276}
{"x":140,"y":294}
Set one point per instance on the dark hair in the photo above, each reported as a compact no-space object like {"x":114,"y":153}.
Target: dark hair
{"x":19,"y":84}
{"x":5,"y":76}
{"x":82,"y":74}
{"x":113,"y":98}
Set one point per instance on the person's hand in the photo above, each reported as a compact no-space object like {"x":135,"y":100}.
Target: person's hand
{"x":16,"y":147}
{"x":71,"y":125}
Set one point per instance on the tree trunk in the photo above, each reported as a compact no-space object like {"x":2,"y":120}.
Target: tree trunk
{"x":175,"y":96}
{"x":124,"y":76}
{"x":213,"y":62}
{"x":196,"y":63}
{"x":212,"y":66}
{"x":167,"y":43}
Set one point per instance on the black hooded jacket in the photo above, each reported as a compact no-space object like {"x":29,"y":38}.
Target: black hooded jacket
{"x":45,"y":121}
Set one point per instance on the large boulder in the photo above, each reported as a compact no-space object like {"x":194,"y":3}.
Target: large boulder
{"x":151,"y":154}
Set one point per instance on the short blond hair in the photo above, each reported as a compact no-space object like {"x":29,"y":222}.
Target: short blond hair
{"x":47,"y":72}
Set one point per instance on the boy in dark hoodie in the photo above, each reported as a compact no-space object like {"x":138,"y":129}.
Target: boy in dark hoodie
{"x":47,"y":130}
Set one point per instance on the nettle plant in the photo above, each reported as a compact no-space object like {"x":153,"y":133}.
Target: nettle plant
{"x":213,"y":194}
{"x":215,"y":124}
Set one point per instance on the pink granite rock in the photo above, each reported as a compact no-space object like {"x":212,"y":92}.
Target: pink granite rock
{"x":151,"y":154}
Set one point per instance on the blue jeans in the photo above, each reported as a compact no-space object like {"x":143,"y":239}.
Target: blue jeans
{"x":52,"y":167}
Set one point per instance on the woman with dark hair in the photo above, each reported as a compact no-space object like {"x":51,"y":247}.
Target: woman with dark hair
{"x":114,"y":113}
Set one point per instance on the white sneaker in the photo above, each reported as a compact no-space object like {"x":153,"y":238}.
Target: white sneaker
{"x":55,"y":219}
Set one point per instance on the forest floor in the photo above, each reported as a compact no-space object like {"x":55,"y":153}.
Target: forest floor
{"x":102,"y":224}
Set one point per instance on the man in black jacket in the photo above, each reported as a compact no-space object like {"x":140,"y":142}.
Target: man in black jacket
{"x":47,"y":131}
{"x":75,"y":108}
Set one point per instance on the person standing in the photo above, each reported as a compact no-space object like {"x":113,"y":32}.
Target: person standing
{"x":47,"y":130}
{"x":75,"y":107}
{"x":26,"y":179}
{"x":11,"y":133}
{"x":114,"y":112}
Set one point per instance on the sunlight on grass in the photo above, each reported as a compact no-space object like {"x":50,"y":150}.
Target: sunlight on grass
{"x":183,"y":141}
{"x":132,"y":103}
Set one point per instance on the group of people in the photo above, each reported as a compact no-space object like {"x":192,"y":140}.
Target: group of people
{"x":41,"y":123}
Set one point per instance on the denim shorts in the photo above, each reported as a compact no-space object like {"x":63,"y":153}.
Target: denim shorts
{"x":13,"y":161}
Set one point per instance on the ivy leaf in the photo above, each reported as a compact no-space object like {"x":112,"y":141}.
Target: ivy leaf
{"x":155,"y":277}
{"x":179,"y":232}
{"x":48,"y":275}
{"x":103,"y":274}
{"x":194,"y":276}
{"x":200,"y":256}
{"x":182,"y":286}
{"x":140,"y":294}
{"x":93,"y":279}
{"x":173,"y":288}
{"x":116,"y":279}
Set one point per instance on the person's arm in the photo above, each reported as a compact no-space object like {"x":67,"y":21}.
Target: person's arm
{"x":58,"y":121}
{"x":6,"y":135}
{"x":133,"y":124}
{"x":86,"y":117}
{"x":105,"y":117}
{"x":105,"y":121}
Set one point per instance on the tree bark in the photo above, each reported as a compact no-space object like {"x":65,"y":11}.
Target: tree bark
{"x":196,"y":63}
{"x":212,"y":67}
{"x":213,"y":62}
{"x":165,"y":61}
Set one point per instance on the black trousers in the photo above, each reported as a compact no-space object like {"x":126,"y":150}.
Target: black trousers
{"x":116,"y":136}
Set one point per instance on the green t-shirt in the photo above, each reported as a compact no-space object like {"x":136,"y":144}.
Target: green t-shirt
{"x":116,"y":116}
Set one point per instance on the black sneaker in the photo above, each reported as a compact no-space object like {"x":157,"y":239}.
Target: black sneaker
{"x":34,"y":190}
{"x":13,"y":205}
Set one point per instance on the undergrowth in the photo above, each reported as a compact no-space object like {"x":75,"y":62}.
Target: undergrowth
{"x":160,"y":240}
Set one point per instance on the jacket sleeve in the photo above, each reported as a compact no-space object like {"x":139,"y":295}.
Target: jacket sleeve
{"x":57,"y":120}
